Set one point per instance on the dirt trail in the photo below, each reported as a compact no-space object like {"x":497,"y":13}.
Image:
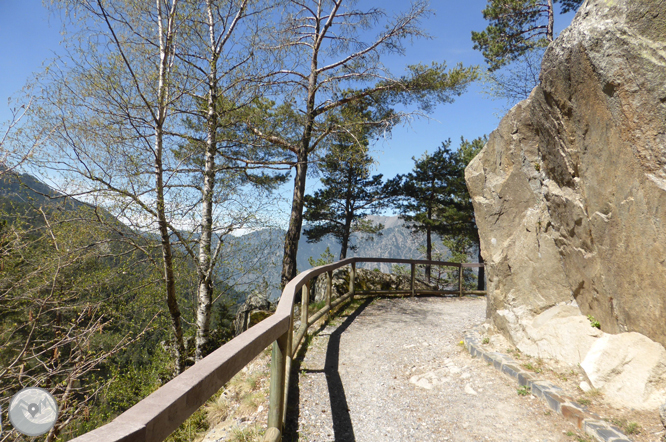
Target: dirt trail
{"x":393,"y":370}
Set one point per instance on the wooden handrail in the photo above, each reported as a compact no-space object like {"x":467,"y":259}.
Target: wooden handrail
{"x":154,"y":418}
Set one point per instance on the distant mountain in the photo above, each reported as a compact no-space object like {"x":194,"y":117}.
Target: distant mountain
{"x":396,"y":241}
{"x":260,"y":250}
{"x":22,"y":188}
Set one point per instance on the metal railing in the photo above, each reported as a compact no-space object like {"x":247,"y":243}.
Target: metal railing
{"x":154,"y":418}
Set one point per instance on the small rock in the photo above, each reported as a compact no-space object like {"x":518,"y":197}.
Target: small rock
{"x":421,"y":382}
{"x":585,"y":386}
{"x":465,"y":376}
{"x":470,"y":390}
{"x":662,"y":414}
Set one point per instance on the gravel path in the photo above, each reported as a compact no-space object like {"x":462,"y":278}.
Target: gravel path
{"x":394,"y":371}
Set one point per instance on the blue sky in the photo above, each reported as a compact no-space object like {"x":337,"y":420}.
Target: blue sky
{"x":31,"y":36}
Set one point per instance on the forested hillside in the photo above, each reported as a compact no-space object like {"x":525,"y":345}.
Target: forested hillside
{"x":79,"y":309}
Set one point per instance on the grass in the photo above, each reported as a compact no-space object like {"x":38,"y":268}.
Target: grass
{"x":315,"y":307}
{"x":594,"y":393}
{"x":241,"y":398}
{"x":246,"y":434}
{"x":536,"y":367}
{"x":486,"y":341}
{"x":626,"y":426}
{"x":515,"y":353}
{"x":584,"y":401}
{"x":524,"y":390}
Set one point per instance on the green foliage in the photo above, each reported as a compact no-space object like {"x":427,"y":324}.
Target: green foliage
{"x":428,"y":85}
{"x":325,"y":258}
{"x":516,"y":27}
{"x":349,"y":193}
{"x":428,"y":187}
{"x":593,"y":322}
{"x":524,"y":390}
{"x":533,"y":367}
{"x":79,"y":301}
{"x":434,"y":198}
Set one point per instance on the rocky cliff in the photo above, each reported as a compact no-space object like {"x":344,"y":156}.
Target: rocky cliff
{"x":570,"y":190}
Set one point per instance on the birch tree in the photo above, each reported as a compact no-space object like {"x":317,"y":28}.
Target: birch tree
{"x":112,"y":102}
{"x":14,"y":149}
{"x":144,"y":119}
{"x":326,"y":62}
{"x":219,"y":55}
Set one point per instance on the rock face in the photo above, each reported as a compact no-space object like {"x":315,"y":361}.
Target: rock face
{"x":256,"y":308}
{"x":561,"y":333}
{"x":570,"y":190}
{"x":629,"y":369}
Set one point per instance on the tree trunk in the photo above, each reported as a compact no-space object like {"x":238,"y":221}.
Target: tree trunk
{"x":551,"y":20}
{"x":167,"y":253}
{"x":205,"y":285}
{"x":295,"y":221}
{"x":296,"y":218}
{"x":344,"y":243}
{"x":482,"y":273}
{"x":167,"y":258}
{"x":349,"y":216}
{"x":428,"y":252}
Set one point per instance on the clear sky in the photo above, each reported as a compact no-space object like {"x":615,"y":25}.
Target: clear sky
{"x":30,"y":36}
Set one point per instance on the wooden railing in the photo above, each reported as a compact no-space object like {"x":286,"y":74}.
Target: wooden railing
{"x":157,"y":416}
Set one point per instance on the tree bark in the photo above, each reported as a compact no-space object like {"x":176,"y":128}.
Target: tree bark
{"x":551,"y":20}
{"x":167,"y":253}
{"x":167,"y":258}
{"x":295,"y":221}
{"x":428,"y":252}
{"x":482,"y":273}
{"x":204,"y":273}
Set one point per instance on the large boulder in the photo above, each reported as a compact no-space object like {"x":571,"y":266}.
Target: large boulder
{"x":570,"y":190}
{"x":629,"y":369}
{"x":560,"y":332}
{"x":255,"y":309}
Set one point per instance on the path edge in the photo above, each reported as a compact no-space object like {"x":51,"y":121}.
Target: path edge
{"x":551,"y":394}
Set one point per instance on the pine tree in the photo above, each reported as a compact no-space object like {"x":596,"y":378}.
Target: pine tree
{"x":423,"y":192}
{"x":457,"y":223}
{"x":350,"y":193}
{"x":517,"y":27}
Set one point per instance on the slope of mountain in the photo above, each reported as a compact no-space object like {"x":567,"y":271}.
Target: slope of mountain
{"x":22,"y":188}
{"x":396,"y":241}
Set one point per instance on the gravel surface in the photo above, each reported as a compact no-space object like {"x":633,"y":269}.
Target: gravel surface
{"x":393,"y":370}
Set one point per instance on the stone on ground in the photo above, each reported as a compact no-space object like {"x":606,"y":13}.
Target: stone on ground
{"x":629,"y":369}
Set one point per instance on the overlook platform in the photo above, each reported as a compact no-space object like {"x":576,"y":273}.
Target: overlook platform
{"x":393,"y":370}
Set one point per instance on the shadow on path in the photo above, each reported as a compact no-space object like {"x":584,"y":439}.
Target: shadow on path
{"x":342,"y":424}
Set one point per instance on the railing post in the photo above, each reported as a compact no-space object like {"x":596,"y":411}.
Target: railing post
{"x":352,"y":277}
{"x":289,"y":357}
{"x":329,"y":288}
{"x":413,"y":276}
{"x":305,"y":303}
{"x":276,"y":401}
{"x":460,"y":280}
